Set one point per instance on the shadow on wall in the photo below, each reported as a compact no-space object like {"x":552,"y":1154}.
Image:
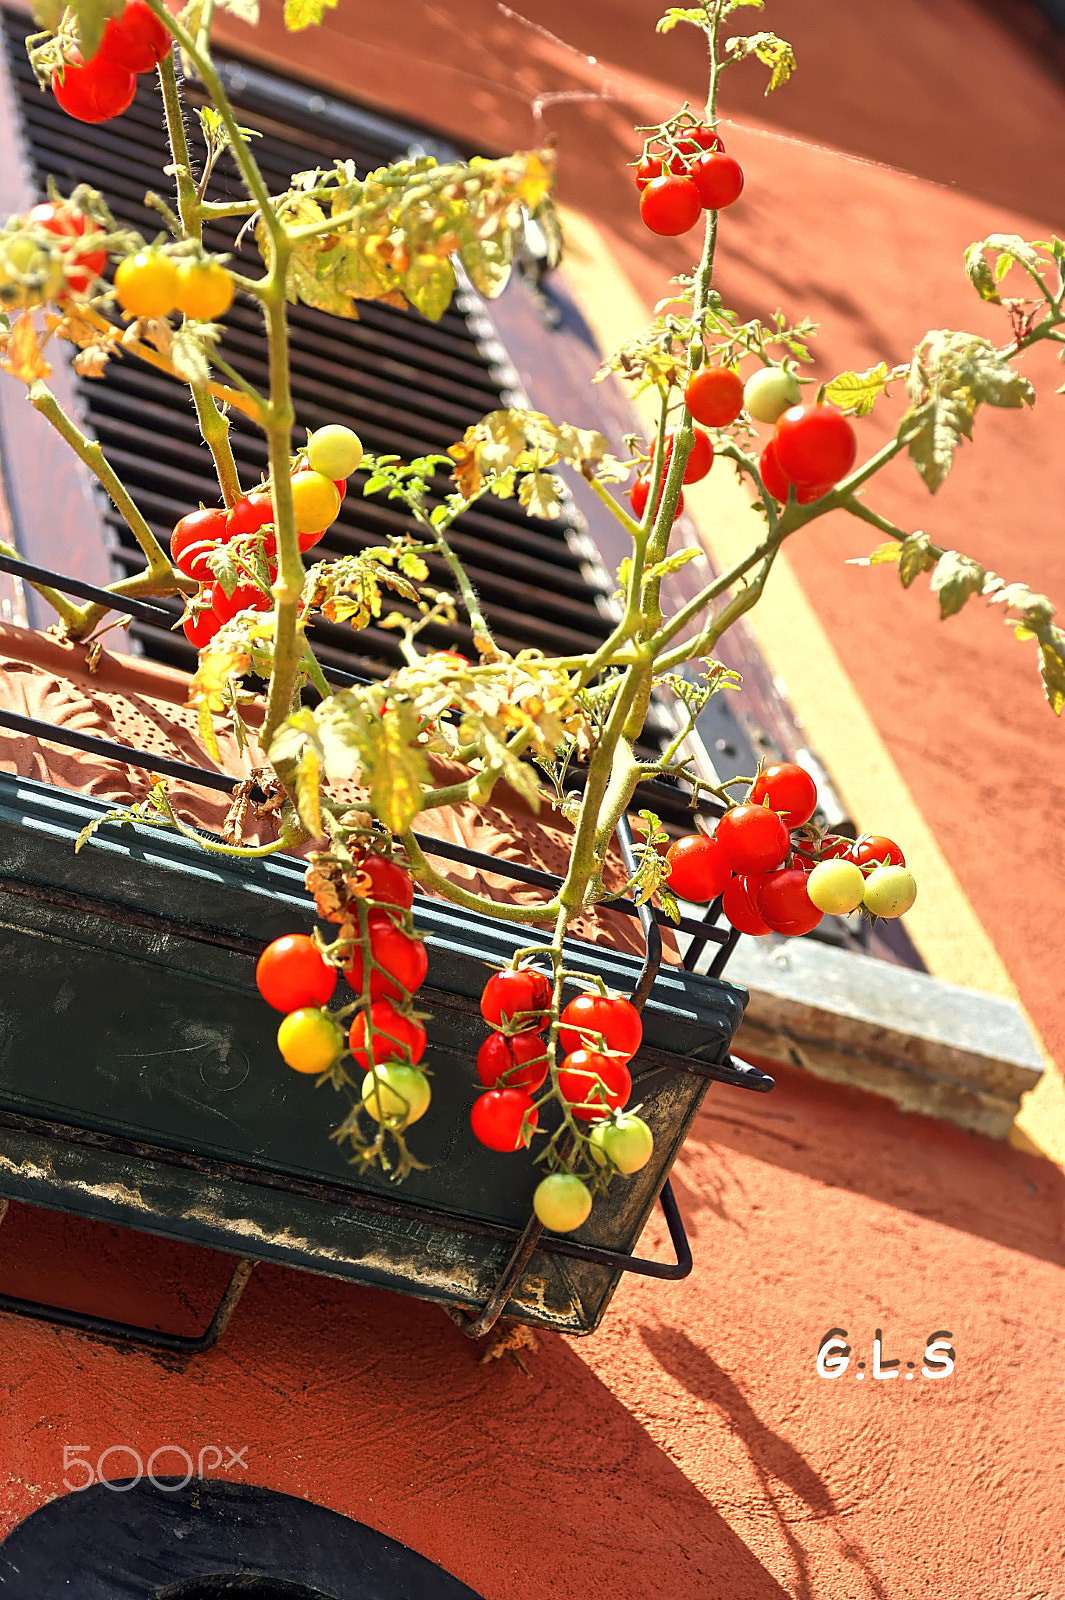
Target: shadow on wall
{"x":854,"y":1141}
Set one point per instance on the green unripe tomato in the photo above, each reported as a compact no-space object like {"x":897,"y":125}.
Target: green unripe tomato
{"x":890,"y":891}
{"x":29,"y":274}
{"x":334,"y":451}
{"x":836,"y":887}
{"x":768,"y":393}
{"x":400,"y":1094}
{"x":309,"y":1040}
{"x":627,"y":1142}
{"x":562,"y":1202}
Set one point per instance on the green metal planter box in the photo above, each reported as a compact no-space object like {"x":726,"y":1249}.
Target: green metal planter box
{"x":140,"y":1082}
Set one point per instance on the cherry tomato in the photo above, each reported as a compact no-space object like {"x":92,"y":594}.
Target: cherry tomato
{"x":503,"y":1119}
{"x":516,"y":1001}
{"x":204,"y":290}
{"x":698,"y":868}
{"x":700,"y":457}
{"x":739,"y":907}
{"x":772,"y":474}
{"x":245,"y":597}
{"x":638,"y":496}
{"x":202,"y":626}
{"x":789,"y":789}
{"x":146,"y":284}
{"x":518,"y":1062}
{"x":309,"y":1040}
{"x":889,"y":891}
{"x":701,"y":138}
{"x":718,"y":180}
{"x":390,"y":885}
{"x":593,"y":1084}
{"x":251,"y":512}
{"x":93,"y":91}
{"x":815,"y":445}
{"x":670,"y":205}
{"x":769,"y":392}
{"x":316,"y":500}
{"x":593,"y":1016}
{"x":714,"y":396}
{"x":648,"y":168}
{"x":334,"y":451}
{"x":291,"y":974}
{"x":136,"y":40}
{"x":341,"y":487}
{"x":81,"y":267}
{"x":836,"y":887}
{"x":394,"y":1037}
{"x":206,"y":526}
{"x":872,"y":849}
{"x":562,"y":1202}
{"x":752,"y":838}
{"x":404,"y":960}
{"x":623,"y":1141}
{"x":785,"y":904}
{"x":396,"y":1094}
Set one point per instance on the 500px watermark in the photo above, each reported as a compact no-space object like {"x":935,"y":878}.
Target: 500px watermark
{"x":159,"y":1469}
{"x":834,"y":1357}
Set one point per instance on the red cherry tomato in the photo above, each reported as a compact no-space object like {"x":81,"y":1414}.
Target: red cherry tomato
{"x":873,"y":849}
{"x":789,"y":789}
{"x":93,"y":91}
{"x":202,"y":626}
{"x":389,"y":883}
{"x":404,"y":960}
{"x":815,"y":445}
{"x":670,"y":205}
{"x":579,"y":1084}
{"x":738,"y":905}
{"x":503,"y":1119}
{"x":341,"y":487}
{"x":776,"y":484}
{"x":638,"y":496}
{"x":516,"y":1002}
{"x":593,"y":1016}
{"x":394,"y":1037}
{"x":648,"y":168}
{"x":785,"y":903}
{"x":714,"y":396}
{"x":83,"y":267}
{"x":197,"y":527}
{"x":700,"y":457}
{"x":136,"y":40}
{"x":245,"y":597}
{"x":698,"y":139}
{"x":251,"y":512}
{"x":291,"y":974}
{"x":698,"y":868}
{"x":517,"y":1062}
{"x":752,"y":838}
{"x":718,"y":180}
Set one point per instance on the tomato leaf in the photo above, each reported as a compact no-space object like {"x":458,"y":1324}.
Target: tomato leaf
{"x":22,"y":357}
{"x":772,"y":52}
{"x":400,"y":770}
{"x":539,"y":493}
{"x":951,"y":376}
{"x":429,"y":285}
{"x":917,"y":554}
{"x":224,"y":568}
{"x":305,"y":13}
{"x":189,"y":358}
{"x":1006,"y":250}
{"x":954,"y":578}
{"x":673,"y":563}
{"x":859,"y":391}
{"x":1052,"y":669}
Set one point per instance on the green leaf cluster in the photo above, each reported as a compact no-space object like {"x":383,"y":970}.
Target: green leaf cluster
{"x":951,"y":376}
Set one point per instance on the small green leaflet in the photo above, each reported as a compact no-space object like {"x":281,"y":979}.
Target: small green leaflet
{"x":954,"y":578}
{"x":1008,"y":249}
{"x":305,"y":13}
{"x":951,"y":376}
{"x":696,"y":15}
{"x":859,"y":391}
{"x":673,"y":563}
{"x":245,"y":11}
{"x":1052,"y":669}
{"x":188,"y":356}
{"x":90,"y":19}
{"x":916,"y":554}
{"x":539,"y":493}
{"x":429,"y":286}
{"x":777,"y":54}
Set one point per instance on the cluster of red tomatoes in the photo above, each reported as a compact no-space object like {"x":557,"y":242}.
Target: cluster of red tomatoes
{"x":770,"y":882}
{"x":318,"y":490}
{"x":386,"y":1039}
{"x":32,"y":273}
{"x":680,"y":177}
{"x":103,"y":87}
{"x":598,"y":1036}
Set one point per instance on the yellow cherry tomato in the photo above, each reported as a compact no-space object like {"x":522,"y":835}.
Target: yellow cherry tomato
{"x":397,"y":1093}
{"x":204,"y":291}
{"x":309,"y":1040}
{"x":562,"y":1202}
{"x":146,"y":284}
{"x":334,"y":451}
{"x":316,"y":500}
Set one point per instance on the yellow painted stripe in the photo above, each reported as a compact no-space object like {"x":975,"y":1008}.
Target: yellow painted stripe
{"x":952,"y":940}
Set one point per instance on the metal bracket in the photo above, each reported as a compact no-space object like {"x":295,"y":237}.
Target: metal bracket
{"x":184,"y":1344}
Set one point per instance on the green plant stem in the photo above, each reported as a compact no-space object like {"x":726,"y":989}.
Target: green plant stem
{"x":72,"y":616}
{"x":736,"y":608}
{"x":585,"y":864}
{"x":427,"y":875}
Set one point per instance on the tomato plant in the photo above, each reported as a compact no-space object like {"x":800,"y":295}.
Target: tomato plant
{"x":95,"y":90}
